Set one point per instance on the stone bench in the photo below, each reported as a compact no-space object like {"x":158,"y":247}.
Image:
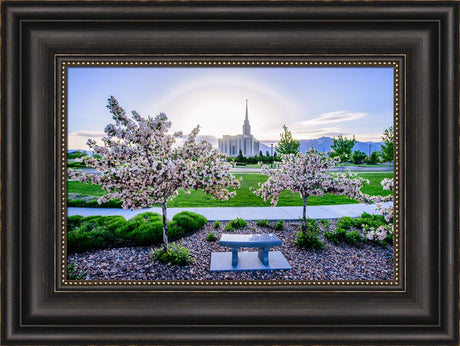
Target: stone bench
{"x":262,"y":241}
{"x":264,"y":259}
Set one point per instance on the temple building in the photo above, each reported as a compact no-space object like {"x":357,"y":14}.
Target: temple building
{"x":231,"y":145}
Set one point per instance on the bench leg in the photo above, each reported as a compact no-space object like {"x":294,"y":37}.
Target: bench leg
{"x":234,"y":256}
{"x":263,"y":255}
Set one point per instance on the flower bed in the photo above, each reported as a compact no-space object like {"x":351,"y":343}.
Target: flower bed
{"x":362,"y":261}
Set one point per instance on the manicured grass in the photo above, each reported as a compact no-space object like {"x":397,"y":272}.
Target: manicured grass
{"x":84,"y":189}
{"x":363,"y":165}
{"x":375,"y":188}
{"x":246,"y":198}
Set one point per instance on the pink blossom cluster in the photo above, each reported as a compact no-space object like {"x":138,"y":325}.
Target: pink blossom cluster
{"x":378,"y":234}
{"x":309,"y":175}
{"x":387,"y":184}
{"x":386,"y":212}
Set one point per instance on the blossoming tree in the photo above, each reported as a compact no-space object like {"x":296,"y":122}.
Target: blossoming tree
{"x":140,"y":164}
{"x":309,"y":175}
{"x":387,"y":212}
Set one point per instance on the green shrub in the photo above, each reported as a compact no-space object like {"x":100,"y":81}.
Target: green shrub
{"x":312,"y":226}
{"x":279,"y":225}
{"x":358,"y":157}
{"x":147,"y":233}
{"x":343,"y":236}
{"x":189,"y":221}
{"x":73,"y":275}
{"x":147,"y":229}
{"x":237,"y":223}
{"x":176,"y":254}
{"x":308,"y":241}
{"x":325,"y":223}
{"x":211,"y":237}
{"x":73,"y":221}
{"x":229,"y":228}
{"x":216,"y":224}
{"x":262,"y":223}
{"x":373,"y":159}
{"x":148,"y":216}
{"x":388,"y":239}
{"x":336,"y":237}
{"x":76,"y":165}
{"x":82,"y":240}
{"x":353,"y":237}
{"x":365,"y":222}
{"x":174,"y":230}
{"x":346,"y":222}
{"x":95,"y":232}
{"x":114,"y":203}
{"x":369,"y":220}
{"x":113,"y":223}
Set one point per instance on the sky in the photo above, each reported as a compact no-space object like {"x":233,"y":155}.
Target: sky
{"x":311,"y":102}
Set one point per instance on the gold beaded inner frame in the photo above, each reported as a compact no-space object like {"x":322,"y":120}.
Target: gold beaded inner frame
{"x":62,"y":63}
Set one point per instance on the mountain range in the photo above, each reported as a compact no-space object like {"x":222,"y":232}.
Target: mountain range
{"x":322,"y":144}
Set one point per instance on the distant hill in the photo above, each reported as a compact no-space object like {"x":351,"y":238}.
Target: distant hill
{"x":324,"y":144}
{"x":210,"y":139}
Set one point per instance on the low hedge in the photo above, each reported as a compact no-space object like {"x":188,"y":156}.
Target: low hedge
{"x":80,"y":203}
{"x":96,"y":232}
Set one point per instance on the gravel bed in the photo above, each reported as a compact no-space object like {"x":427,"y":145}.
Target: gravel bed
{"x":334,"y":262}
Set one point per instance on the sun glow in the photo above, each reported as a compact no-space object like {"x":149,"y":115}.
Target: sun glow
{"x":218,"y":106}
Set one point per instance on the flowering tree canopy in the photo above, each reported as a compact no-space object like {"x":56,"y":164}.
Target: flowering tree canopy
{"x":309,"y":175}
{"x":140,"y":164}
{"x":387,"y":212}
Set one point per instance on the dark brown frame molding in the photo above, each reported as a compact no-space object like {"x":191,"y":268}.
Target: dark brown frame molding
{"x":36,"y":309}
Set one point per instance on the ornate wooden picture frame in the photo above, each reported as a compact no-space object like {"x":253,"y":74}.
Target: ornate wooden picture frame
{"x":39,"y":306}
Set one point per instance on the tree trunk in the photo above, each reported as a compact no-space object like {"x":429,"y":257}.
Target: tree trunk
{"x":304,"y":226}
{"x":165,"y":228}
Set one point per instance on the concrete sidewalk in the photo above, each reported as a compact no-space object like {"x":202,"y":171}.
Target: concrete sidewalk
{"x":246,"y":213}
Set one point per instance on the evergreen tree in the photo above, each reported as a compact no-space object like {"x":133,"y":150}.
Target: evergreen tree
{"x":342,"y":147}
{"x":374,"y":158}
{"x":358,"y":157}
{"x":240,"y":157}
{"x":387,"y":147}
{"x":287,"y":144}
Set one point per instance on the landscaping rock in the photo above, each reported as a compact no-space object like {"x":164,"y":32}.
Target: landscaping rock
{"x":334,"y":262}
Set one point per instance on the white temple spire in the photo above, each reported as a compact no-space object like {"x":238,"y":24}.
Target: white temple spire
{"x":246,"y":126}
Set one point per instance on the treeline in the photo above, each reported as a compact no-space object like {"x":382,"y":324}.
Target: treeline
{"x":266,"y":159}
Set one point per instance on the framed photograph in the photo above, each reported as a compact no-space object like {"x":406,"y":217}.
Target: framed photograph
{"x":101,"y":237}
{"x":315,"y":203}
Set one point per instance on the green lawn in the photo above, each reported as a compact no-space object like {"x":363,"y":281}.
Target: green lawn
{"x":84,"y":189}
{"x":245,"y":197}
{"x":349,"y":164}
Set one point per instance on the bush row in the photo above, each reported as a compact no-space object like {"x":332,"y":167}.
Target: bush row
{"x":346,"y":231}
{"x":96,"y":232}
{"x":80,"y":203}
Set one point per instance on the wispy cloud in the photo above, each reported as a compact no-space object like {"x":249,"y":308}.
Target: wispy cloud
{"x":369,"y":137}
{"x":78,"y":139}
{"x":317,"y":133}
{"x":88,"y":134}
{"x":334,"y":117}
